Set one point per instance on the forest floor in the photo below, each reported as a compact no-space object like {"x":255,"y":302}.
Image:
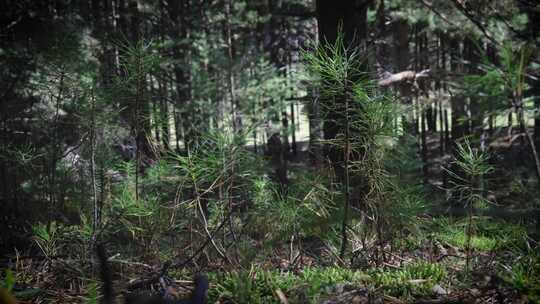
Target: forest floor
{"x":428,"y":265}
{"x":434,"y":260}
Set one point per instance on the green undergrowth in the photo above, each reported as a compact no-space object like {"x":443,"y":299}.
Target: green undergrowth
{"x":261,"y":286}
{"x":524,"y":276}
{"x":313,"y":284}
{"x":416,"y":279}
{"x":488,"y":234}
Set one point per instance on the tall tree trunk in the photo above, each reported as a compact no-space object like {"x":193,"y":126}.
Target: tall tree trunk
{"x":178,"y":34}
{"x":472,"y":56}
{"x":380,"y":30}
{"x":165,"y":118}
{"x":235,"y":118}
{"x":401,"y":54}
{"x":426,"y":115}
{"x":491,"y":53}
{"x":457,"y":102}
{"x":294,"y":122}
{"x":417,"y":111}
{"x":105,"y":31}
{"x":423,"y":131}
{"x":293,"y":130}
{"x":441,"y":130}
{"x":447,"y":142}
{"x":163,"y":91}
{"x":156,"y":114}
{"x":96,"y":207}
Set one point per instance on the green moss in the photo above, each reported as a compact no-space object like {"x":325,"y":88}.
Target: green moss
{"x":458,"y":238}
{"x":411,"y":280}
{"x":313,"y":284}
{"x":317,"y":280}
{"x":488,"y":235}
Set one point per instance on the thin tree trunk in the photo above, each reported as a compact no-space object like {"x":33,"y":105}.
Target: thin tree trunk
{"x":177,"y":130}
{"x":346,"y":156}
{"x":285,"y":124}
{"x":293,"y":130}
{"x":446,"y":131}
{"x":457,"y":101}
{"x":400,"y":30}
{"x":230,"y":72}
{"x":164,"y":115}
{"x":537,"y":116}
{"x":441,"y":129}
{"x":293,"y":117}
{"x":477,"y":115}
{"x":418,"y":111}
{"x":423,"y":130}
{"x":155,"y":113}
{"x":176,"y":10}
{"x":55,"y":149}
{"x":96,"y":224}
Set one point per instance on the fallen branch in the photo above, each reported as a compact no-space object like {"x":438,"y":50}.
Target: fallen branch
{"x":404,"y":76}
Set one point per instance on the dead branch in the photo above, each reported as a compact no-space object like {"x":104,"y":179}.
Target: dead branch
{"x":404,"y":76}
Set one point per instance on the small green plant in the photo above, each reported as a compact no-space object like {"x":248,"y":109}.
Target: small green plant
{"x":93,"y":295}
{"x":408,"y":204}
{"x":503,"y":87}
{"x":47,"y":238}
{"x":468,"y":184}
{"x":305,"y":211}
{"x":56,"y":238}
{"x":255,"y":286}
{"x":360,"y":120}
{"x":143,"y":219}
